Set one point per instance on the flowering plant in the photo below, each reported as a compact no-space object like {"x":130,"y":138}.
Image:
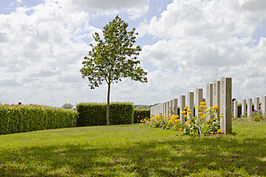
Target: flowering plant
{"x":206,"y":122}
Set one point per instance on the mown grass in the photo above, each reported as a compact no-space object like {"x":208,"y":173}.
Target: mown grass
{"x":134,"y":150}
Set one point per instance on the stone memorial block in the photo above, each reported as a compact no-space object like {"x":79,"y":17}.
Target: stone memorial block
{"x":235,"y":109}
{"x":263,"y":105}
{"x":209,"y":97}
{"x":257,"y":103}
{"x":151,"y":112}
{"x":216,"y":95}
{"x":244,"y":108}
{"x":190,"y":103}
{"x":168,"y":108}
{"x":164,"y":108}
{"x":171,"y":106}
{"x":175,"y":106}
{"x":182,"y":105}
{"x":226,"y":105}
{"x":249,"y":107}
{"x":199,"y":98}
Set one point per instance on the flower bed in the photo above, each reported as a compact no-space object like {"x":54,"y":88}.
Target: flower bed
{"x":207,"y":122}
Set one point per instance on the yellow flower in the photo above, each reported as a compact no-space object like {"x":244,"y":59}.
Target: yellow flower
{"x":185,"y":115}
{"x":189,"y":110}
{"x":183,"y":112}
{"x":221,"y":115}
{"x":200,"y":113}
{"x":206,"y":111}
{"x":188,"y":121}
{"x":181,"y":129}
{"x":173,"y":117}
{"x":216,"y":107}
{"x":170,"y":121}
{"x":210,"y":120}
{"x":203,"y":116}
{"x":176,"y":121}
{"x":186,"y":107}
{"x":189,"y":113}
{"x":203,"y":103}
{"x":219,"y":131}
{"x":152,"y":118}
{"x":207,"y":125}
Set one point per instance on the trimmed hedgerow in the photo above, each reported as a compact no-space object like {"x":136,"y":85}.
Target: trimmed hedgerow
{"x":22,"y":118}
{"x":140,"y":114}
{"x":95,"y":114}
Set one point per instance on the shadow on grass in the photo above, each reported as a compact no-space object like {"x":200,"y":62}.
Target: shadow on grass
{"x":191,"y":156}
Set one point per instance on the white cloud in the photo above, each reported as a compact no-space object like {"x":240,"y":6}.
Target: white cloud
{"x":135,"y":8}
{"x":38,"y":49}
{"x":198,"y":42}
{"x":202,"y":41}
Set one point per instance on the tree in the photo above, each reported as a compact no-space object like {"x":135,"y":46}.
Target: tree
{"x":112,"y":58}
{"x":67,"y":106}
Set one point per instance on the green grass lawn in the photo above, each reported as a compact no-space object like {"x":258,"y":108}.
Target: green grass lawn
{"x":134,"y":150}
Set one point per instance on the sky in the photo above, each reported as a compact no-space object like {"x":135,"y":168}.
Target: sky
{"x":185,"y":45}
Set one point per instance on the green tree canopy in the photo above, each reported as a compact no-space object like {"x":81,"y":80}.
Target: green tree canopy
{"x":112,"y":58}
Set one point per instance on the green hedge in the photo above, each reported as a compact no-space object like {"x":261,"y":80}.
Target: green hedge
{"x":140,"y":114}
{"x":95,"y":114}
{"x":22,"y":118}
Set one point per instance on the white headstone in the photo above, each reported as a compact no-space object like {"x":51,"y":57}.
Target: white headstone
{"x":171,"y":106}
{"x":256,"y":103}
{"x":182,"y":105}
{"x":209,"y":97}
{"x":165,"y":107}
{"x":244,"y":108}
{"x":249,"y":107}
{"x":263,"y":105}
{"x":190,"y":103}
{"x":175,"y":105}
{"x":226,"y":105}
{"x":199,"y":98}
{"x":235,"y":109}
{"x":216,"y":95}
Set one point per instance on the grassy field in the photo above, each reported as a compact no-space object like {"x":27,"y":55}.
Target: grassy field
{"x":134,"y":150}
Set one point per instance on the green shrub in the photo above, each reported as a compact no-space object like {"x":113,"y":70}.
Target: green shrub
{"x":95,"y":114}
{"x":140,"y":114}
{"x":22,"y":118}
{"x":258,"y":118}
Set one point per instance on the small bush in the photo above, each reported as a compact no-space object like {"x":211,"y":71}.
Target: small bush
{"x":95,"y":114}
{"x":140,"y":114}
{"x":22,"y":118}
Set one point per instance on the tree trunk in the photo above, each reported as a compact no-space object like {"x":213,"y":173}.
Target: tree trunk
{"x":108,"y":105}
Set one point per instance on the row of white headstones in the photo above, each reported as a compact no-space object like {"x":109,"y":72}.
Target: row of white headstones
{"x":247,"y":106}
{"x":217,"y":93}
